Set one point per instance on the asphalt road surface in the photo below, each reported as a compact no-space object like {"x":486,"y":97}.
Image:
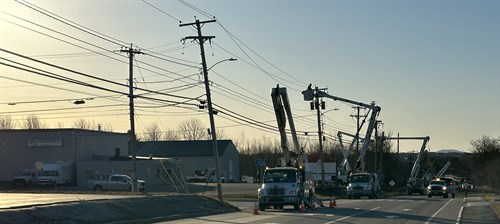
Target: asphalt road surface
{"x":395,"y":210}
{"x":400,"y":209}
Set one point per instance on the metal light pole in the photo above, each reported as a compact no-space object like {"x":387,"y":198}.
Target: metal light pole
{"x":212,"y":123}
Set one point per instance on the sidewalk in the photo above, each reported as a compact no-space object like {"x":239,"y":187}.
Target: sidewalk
{"x":476,"y":210}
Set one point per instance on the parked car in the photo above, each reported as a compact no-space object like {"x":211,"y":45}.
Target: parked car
{"x":437,"y":187}
{"x":116,"y":182}
{"x":27,"y":178}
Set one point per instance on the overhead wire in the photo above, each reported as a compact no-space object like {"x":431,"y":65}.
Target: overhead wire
{"x":33,"y":23}
{"x":72,"y":24}
{"x":169,"y":71}
{"x":237,"y":93}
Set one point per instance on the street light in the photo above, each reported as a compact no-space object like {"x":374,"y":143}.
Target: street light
{"x":227,"y":59}
{"x":212,"y":123}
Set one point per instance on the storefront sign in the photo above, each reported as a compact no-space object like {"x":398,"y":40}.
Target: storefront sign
{"x":45,"y":143}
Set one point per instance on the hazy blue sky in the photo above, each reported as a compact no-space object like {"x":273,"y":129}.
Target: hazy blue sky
{"x":432,"y":66}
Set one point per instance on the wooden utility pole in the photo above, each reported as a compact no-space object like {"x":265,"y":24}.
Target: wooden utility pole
{"x":201,"y":40}
{"x":320,"y":134}
{"x":132,"y":138}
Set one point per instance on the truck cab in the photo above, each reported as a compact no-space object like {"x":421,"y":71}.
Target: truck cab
{"x":363,"y":184}
{"x":437,"y":187}
{"x":27,"y":178}
{"x":281,"y":186}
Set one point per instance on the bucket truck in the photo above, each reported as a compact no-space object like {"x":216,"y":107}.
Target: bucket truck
{"x":413,"y":184}
{"x":361,"y":182}
{"x":345,"y":168}
{"x":288,"y":184}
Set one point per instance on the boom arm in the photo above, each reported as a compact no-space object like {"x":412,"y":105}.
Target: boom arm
{"x":375,"y":110}
{"x":345,"y":152}
{"x":441,"y":172}
{"x":281,"y":106}
{"x":416,"y":165}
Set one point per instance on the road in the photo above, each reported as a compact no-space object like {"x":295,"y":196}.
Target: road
{"x":398,"y":209}
{"x":402,"y":209}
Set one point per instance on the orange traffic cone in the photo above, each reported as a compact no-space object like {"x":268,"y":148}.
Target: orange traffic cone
{"x":302,"y":207}
{"x":333,"y":203}
{"x":255,"y":209}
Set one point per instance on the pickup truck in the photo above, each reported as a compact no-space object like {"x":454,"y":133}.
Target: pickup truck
{"x":27,"y":178}
{"x":116,"y":182}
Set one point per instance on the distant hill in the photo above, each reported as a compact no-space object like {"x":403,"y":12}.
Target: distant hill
{"x":449,"y":151}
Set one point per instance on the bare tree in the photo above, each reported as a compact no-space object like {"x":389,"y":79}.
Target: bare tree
{"x":33,"y":122}
{"x":220,"y":134}
{"x":171,"y":135}
{"x":486,"y":158}
{"x":153,"y":133}
{"x":192,"y":129}
{"x":6,"y":122}
{"x":84,"y":124}
{"x":60,"y":124}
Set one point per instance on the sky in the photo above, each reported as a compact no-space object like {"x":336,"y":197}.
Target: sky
{"x":432,"y":66}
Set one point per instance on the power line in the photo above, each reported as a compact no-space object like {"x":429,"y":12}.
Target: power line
{"x":86,"y":75}
{"x":72,"y":24}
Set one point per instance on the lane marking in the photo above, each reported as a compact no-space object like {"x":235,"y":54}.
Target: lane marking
{"x":437,"y":212}
{"x":460,"y":215}
{"x":373,"y":209}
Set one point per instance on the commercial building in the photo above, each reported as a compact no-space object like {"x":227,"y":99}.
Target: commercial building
{"x":94,"y":154}
{"x":196,"y":156}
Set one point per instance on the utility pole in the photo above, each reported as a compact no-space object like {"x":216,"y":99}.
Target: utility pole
{"x":381,"y":149}
{"x":358,"y":116}
{"x":201,"y":40}
{"x":320,"y":134}
{"x":131,"y":51}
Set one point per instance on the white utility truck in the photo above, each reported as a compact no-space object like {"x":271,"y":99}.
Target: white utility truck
{"x":55,"y":174}
{"x":289,"y":183}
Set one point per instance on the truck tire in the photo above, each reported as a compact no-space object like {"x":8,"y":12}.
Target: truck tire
{"x":262,"y":207}
{"x":98,"y":188}
{"x":296,"y":206}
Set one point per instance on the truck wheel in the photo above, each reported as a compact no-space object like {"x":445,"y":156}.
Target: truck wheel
{"x":296,"y":206}
{"x":98,"y":188}
{"x":262,"y":207}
